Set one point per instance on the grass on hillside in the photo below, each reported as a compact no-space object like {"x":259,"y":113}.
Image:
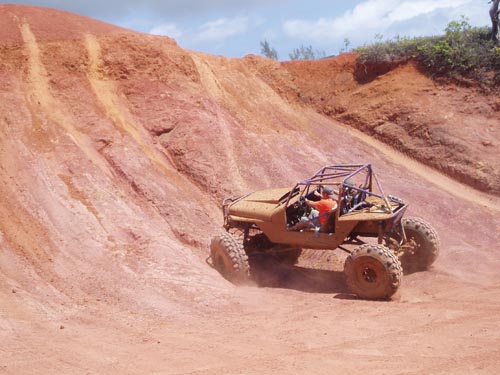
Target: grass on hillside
{"x":464,"y":54}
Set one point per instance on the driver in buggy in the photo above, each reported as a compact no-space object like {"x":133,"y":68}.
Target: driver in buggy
{"x":319,"y":209}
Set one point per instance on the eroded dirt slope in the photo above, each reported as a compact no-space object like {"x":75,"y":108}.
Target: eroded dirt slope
{"x":116,"y":149}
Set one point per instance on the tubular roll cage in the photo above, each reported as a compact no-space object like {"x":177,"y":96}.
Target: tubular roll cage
{"x":339,"y":175}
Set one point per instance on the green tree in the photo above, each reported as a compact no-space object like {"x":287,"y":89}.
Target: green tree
{"x":267,"y":50}
{"x":345,"y":48}
{"x":306,"y":53}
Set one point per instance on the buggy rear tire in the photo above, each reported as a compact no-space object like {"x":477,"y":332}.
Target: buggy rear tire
{"x":229,"y":258}
{"x":373,"y":272}
{"x":421,"y":247}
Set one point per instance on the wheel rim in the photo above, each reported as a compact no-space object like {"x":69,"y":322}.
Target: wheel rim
{"x":369,"y":273}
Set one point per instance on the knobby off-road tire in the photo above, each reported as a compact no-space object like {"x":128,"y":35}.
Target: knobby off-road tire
{"x":229,"y":258}
{"x":373,"y":272}
{"x":421,"y":247}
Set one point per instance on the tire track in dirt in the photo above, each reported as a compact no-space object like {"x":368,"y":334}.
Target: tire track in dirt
{"x":214,"y":90}
{"x":429,"y":174}
{"x":117,"y":112}
{"x":39,"y":92}
{"x":107,"y":96}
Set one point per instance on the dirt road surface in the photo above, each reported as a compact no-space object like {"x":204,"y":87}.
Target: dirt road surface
{"x":116,"y":150}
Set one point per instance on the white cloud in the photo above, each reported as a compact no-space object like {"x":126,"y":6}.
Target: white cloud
{"x":407,"y":10}
{"x":370,"y":17}
{"x":169,"y":29}
{"x":222,"y":29}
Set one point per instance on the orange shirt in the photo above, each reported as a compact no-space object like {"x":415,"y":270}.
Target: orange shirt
{"x":324,"y":206}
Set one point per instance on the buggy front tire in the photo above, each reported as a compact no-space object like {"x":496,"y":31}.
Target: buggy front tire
{"x":373,"y":272}
{"x":229,"y":258}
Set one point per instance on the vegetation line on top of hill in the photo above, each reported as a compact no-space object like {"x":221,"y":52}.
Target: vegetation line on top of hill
{"x":463,"y":55}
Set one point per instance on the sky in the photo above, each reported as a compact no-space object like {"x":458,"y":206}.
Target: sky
{"x":234,"y":28}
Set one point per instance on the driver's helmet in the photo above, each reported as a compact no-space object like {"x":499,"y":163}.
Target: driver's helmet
{"x":328,"y":191}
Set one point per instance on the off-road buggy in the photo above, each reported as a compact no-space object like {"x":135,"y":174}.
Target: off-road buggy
{"x":276,"y":221}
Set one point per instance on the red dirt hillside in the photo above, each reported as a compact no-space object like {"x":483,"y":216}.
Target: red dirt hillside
{"x":116,"y":150}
